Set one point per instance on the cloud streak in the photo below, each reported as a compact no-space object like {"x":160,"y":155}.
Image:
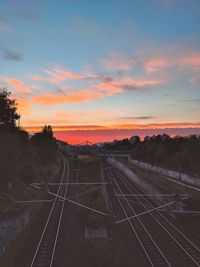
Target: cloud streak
{"x":138,"y":118}
{"x":57,"y":75}
{"x":55,"y":99}
{"x":172,"y":59}
{"x":17,"y":85}
{"x":10,"y":55}
{"x":111,"y":86}
{"x":118,"y":62}
{"x":150,"y":126}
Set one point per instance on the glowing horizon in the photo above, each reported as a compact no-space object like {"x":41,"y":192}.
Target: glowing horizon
{"x":96,"y":133}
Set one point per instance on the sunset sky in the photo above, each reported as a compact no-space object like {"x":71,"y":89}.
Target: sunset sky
{"x":103,"y":70}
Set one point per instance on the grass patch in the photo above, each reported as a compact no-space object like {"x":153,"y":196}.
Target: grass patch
{"x":89,"y":168}
{"x":47,"y":173}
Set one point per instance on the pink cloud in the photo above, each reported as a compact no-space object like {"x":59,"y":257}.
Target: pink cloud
{"x":190,"y":60}
{"x":109,"y":88}
{"x":56,"y":75}
{"x":159,"y":61}
{"x":155,"y":64}
{"x":181,"y":60}
{"x":146,"y":82}
{"x":114,"y":87}
{"x":118,"y":62}
{"x":16,"y":84}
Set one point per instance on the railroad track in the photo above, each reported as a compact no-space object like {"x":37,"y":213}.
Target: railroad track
{"x":162,"y":242}
{"x":45,"y":251}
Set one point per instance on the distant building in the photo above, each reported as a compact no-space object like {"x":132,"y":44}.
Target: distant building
{"x":162,"y":138}
{"x":165,"y":137}
{"x":134,"y":139}
{"x":147,"y":138}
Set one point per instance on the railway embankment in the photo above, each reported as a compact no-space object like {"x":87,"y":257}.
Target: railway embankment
{"x":184,"y":212}
{"x":157,"y":194}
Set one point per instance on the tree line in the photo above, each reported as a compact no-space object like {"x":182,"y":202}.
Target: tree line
{"x":22,"y":155}
{"x":179,"y":153}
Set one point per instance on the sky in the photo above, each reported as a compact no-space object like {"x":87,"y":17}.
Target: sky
{"x":103,"y":70}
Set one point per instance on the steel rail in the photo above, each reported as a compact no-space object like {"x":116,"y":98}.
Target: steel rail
{"x":145,"y":229}
{"x":61,"y":215}
{"x":127,"y":181}
{"x":133,"y":229}
{"x":49,"y":217}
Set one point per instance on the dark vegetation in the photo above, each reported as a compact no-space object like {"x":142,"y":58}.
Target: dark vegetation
{"x":96,"y":251}
{"x":177,"y":153}
{"x":89,"y":171}
{"x":22,"y":156}
{"x":124,"y":144}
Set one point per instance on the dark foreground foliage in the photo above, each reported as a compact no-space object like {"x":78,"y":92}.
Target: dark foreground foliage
{"x":21,"y":155}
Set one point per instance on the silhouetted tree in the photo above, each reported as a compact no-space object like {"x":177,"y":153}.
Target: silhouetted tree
{"x":45,"y":144}
{"x":8,"y":110}
{"x":21,"y":157}
{"x":47,"y":132}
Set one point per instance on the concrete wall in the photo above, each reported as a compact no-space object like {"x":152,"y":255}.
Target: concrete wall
{"x":172,"y":174}
{"x":145,"y":186}
{"x":9,"y":228}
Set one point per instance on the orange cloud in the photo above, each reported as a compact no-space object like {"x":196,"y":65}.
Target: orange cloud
{"x":56,"y":75}
{"x":24,"y":106}
{"x":53,"y":99}
{"x":157,"y":125}
{"x":16,"y":84}
{"x":109,"y":88}
{"x":120,"y":127}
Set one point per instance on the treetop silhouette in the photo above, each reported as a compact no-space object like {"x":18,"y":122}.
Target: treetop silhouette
{"x":8,"y":110}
